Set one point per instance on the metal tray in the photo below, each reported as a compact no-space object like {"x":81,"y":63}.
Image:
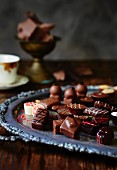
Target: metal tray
{"x":10,"y":109}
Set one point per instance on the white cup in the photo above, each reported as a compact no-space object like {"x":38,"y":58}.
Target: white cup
{"x":8,"y":68}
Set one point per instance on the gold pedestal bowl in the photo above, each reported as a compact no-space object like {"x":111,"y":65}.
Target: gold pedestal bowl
{"x":37,"y":71}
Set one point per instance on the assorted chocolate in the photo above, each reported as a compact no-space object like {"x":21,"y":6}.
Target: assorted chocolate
{"x":73,"y":111}
{"x":32,"y":29}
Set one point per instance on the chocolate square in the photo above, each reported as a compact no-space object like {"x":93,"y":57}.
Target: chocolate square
{"x":70,"y":127}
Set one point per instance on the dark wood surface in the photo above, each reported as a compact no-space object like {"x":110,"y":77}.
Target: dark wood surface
{"x":20,"y":155}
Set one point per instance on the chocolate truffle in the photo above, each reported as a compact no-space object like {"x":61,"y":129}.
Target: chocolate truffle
{"x":105,"y":135}
{"x":55,"y":90}
{"x":70,"y":95}
{"x":81,"y":89}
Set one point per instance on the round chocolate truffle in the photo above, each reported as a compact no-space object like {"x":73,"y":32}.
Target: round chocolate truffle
{"x":105,"y":135}
{"x":56,"y":91}
{"x":70,"y":93}
{"x":81,"y":88}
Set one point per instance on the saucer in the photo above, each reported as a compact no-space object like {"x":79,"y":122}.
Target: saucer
{"x":20,"y":80}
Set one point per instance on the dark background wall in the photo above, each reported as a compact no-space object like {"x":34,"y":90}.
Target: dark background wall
{"x":88,"y":28}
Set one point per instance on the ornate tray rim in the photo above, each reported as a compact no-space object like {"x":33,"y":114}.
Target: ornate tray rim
{"x":23,"y":133}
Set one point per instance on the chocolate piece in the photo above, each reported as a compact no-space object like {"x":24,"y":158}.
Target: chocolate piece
{"x":90,"y":127}
{"x":48,"y":102}
{"x":55,"y":91}
{"x":67,"y":101}
{"x":70,"y":93}
{"x":99,"y":115}
{"x":105,"y":135}
{"x":99,"y":96}
{"x":70,"y":127}
{"x":105,"y":106}
{"x":64,"y":112}
{"x":59,"y":75}
{"x":96,"y":112}
{"x":84,"y":117}
{"x":75,"y":108}
{"x":34,"y":30}
{"x":84,"y":71}
{"x":60,"y":106}
{"x":81,"y":89}
{"x":56,"y":126}
{"x":40,"y":119}
{"x":112,"y":100}
{"x":87,"y":101}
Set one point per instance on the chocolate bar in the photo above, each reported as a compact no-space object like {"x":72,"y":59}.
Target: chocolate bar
{"x":70,"y":127}
{"x":96,"y":112}
{"x":87,"y":101}
{"x":40,"y":119}
{"x":90,"y":127}
{"x":64,"y":112}
{"x":59,"y":106}
{"x":99,"y":115}
{"x":75,"y":108}
{"x":48,"y":102}
{"x":105,"y":106}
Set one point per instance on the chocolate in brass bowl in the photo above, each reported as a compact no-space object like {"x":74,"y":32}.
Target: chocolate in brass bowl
{"x":37,"y":72}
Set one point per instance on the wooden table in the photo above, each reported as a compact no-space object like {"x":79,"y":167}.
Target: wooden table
{"x":20,"y":155}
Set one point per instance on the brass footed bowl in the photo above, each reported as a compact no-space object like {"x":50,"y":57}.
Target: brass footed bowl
{"x":37,"y":49}
{"x":37,"y":71}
